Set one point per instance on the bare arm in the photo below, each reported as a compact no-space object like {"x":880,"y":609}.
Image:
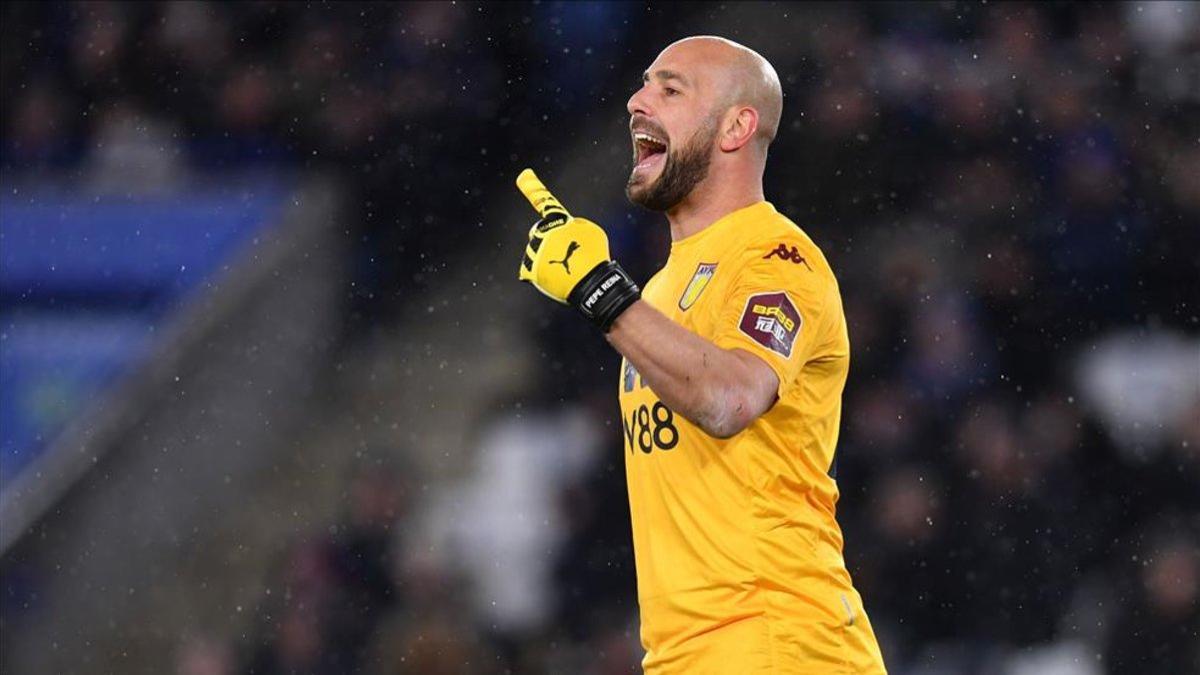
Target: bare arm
{"x":719,"y":390}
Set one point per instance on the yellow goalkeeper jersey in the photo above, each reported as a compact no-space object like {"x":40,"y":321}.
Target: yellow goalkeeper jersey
{"x":739,"y":558}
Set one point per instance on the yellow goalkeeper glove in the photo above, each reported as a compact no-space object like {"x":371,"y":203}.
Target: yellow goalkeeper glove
{"x":567,"y":259}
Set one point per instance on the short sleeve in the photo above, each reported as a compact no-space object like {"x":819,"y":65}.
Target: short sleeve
{"x":774,"y":310}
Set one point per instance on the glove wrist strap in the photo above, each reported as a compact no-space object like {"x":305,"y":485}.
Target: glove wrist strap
{"x":604,"y":294}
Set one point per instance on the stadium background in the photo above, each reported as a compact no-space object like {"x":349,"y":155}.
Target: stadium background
{"x":272,"y":401}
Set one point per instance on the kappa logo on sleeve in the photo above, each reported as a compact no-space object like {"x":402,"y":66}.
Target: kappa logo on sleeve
{"x":772,"y":321}
{"x":791,"y":253}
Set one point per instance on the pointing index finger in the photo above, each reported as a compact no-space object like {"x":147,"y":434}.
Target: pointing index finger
{"x":539,"y":197}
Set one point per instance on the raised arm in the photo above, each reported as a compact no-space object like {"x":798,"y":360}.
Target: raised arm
{"x":719,"y":390}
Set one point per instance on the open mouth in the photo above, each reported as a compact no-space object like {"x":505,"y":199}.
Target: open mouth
{"x":648,"y":150}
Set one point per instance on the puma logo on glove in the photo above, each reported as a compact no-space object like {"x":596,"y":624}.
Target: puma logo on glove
{"x":565,"y":262}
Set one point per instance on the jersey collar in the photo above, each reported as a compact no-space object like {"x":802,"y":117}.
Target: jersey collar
{"x":732,"y":221}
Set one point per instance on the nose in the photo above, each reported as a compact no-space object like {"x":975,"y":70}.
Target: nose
{"x":637,"y":104}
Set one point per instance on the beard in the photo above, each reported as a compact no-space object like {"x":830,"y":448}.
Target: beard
{"x":682,"y":171}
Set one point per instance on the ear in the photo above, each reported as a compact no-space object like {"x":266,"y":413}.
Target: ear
{"x":740,"y":126}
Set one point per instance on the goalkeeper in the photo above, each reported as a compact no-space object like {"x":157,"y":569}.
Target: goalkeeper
{"x":735,"y":356}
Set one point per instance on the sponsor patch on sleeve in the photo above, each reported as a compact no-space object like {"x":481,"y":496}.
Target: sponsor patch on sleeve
{"x":772,"y":321}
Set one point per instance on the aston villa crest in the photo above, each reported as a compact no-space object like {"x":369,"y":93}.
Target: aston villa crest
{"x":704,"y":274}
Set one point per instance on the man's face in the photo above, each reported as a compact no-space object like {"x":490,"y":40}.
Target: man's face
{"x":673,"y":125}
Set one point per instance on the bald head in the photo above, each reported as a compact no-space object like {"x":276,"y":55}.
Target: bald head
{"x":740,"y":76}
{"x":705,"y":103}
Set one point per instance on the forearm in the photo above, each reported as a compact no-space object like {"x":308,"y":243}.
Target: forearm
{"x":714,"y":388}
{"x":567,"y":258}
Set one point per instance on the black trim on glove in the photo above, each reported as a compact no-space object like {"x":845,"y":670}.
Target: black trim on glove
{"x":604,"y":294}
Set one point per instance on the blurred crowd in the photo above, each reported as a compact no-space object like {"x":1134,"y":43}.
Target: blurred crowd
{"x":1010,"y":195}
{"x":404,"y":107}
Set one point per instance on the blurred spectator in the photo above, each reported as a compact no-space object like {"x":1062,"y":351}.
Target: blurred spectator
{"x":908,"y":566}
{"x":134,"y":151}
{"x":1156,"y":631}
{"x":333,"y":592}
{"x":437,"y":644}
{"x":34,"y":134}
{"x":204,"y":655}
{"x":1139,"y":384}
{"x":507,"y":527}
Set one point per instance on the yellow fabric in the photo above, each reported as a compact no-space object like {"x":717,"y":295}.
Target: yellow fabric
{"x":739,"y":558}
{"x":562,"y":253}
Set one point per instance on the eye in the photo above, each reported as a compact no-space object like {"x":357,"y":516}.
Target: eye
{"x":670,"y":91}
